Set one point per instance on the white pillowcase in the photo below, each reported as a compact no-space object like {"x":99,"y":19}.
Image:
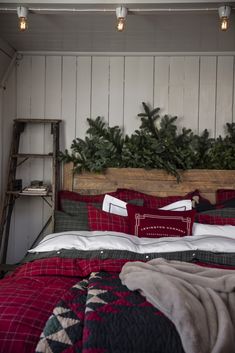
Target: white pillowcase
{"x":182,"y":205}
{"x":113,"y":205}
{"x":211,"y":229}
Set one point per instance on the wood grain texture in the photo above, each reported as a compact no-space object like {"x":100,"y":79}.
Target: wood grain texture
{"x":154,"y":182}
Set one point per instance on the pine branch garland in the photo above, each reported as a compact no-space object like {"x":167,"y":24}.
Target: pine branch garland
{"x":157,"y":144}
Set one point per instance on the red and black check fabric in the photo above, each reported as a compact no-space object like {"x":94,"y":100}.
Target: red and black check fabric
{"x":75,"y":196}
{"x":101,"y":220}
{"x":223,"y":195}
{"x":215,"y":220}
{"x":28,"y":296}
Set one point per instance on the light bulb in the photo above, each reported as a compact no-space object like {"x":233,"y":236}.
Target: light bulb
{"x":224,"y":24}
{"x":120,"y":24}
{"x":224,"y":13}
{"x":22,"y":24}
{"x":22,"y":13}
{"x":121,"y":13}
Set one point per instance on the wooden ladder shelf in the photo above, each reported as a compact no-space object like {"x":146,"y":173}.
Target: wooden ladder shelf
{"x":17,"y":159}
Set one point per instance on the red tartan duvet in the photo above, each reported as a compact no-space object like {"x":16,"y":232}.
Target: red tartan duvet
{"x":29,"y":295}
{"x":100,"y":303}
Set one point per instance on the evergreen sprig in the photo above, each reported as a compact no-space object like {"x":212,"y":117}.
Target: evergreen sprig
{"x":156,"y":144}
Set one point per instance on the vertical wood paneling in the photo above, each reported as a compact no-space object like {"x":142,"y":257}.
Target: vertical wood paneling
{"x":224,"y":101}
{"x":200,"y":90}
{"x":68,"y":114}
{"x":53,"y":83}
{"x":138,"y":89}
{"x":100,"y":87}
{"x":36,"y":138}
{"x":191,"y":92}
{"x":22,"y":206}
{"x":52,"y":102}
{"x":116,"y":91}
{"x":207,"y":94}
{"x":176,"y":88}
{"x":161,"y":83}
{"x":83,"y":94}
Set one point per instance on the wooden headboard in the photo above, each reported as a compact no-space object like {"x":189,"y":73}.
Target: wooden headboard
{"x":154,"y":182}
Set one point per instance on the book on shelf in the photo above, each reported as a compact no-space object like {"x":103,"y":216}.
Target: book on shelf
{"x":36,"y":190}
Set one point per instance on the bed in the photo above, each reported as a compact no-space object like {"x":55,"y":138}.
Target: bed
{"x":127,"y":270}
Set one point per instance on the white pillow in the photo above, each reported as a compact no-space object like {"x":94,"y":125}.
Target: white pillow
{"x":182,"y":205}
{"x":212,"y":229}
{"x":113,"y":205}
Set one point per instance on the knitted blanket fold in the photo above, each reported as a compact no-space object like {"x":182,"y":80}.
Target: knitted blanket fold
{"x":200,"y":301}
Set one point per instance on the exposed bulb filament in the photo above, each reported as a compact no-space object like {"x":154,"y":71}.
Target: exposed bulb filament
{"x":23,"y":25}
{"x":224,"y":24}
{"x":121,"y":24}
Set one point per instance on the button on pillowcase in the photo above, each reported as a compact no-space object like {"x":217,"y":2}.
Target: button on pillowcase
{"x":150,"y":223}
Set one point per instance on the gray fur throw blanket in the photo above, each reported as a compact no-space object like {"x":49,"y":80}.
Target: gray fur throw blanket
{"x":200,"y":301}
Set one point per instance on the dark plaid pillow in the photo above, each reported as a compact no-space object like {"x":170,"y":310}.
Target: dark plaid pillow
{"x":78,"y":209}
{"x":75,"y":196}
{"x":220,"y":216}
{"x":65,"y":222}
{"x":225,"y":212}
{"x":226,"y":204}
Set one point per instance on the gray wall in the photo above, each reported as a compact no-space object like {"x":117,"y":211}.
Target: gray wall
{"x":6,"y":57}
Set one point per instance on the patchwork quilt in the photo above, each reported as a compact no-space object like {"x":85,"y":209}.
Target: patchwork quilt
{"x":73,"y":305}
{"x":99,"y":315}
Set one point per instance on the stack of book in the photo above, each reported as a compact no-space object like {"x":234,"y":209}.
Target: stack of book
{"x":36,"y":190}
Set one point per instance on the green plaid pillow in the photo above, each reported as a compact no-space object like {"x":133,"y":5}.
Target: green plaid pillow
{"x":227,"y":212}
{"x":75,"y":214}
{"x":65,"y":222}
{"x":79,"y":210}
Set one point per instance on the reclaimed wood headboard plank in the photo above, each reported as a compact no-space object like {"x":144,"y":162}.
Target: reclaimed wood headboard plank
{"x":154,"y":182}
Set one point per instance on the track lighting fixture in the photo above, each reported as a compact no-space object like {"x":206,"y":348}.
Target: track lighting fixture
{"x":22,"y":13}
{"x":121,"y":13}
{"x":224,"y":13}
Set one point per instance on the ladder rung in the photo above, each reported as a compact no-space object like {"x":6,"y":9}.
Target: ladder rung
{"x":38,"y":121}
{"x":32,"y":155}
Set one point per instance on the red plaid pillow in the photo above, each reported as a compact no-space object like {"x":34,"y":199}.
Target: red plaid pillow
{"x":101,"y":220}
{"x":224,"y":195}
{"x":215,"y":220}
{"x":75,"y":196}
{"x":149,"y":200}
{"x":149,"y":223}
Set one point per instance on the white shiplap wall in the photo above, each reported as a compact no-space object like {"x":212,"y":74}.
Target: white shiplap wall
{"x":197,"y":88}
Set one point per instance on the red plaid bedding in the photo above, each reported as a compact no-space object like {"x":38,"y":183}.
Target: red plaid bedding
{"x":28,"y":296}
